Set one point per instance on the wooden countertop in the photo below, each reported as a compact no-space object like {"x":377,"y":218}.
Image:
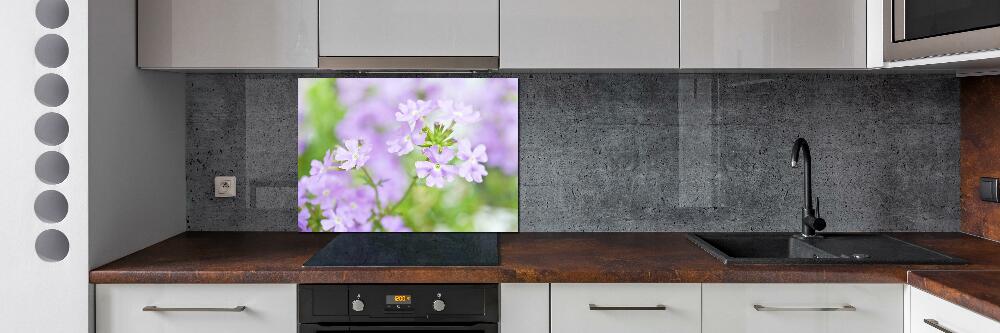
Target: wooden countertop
{"x":276,"y":257}
{"x":273,"y":257}
{"x":978,"y":291}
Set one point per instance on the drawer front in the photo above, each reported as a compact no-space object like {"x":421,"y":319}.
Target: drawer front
{"x":571,"y":310}
{"x":730,"y":308}
{"x":360,"y":28}
{"x":269,"y":308}
{"x":946,"y":315}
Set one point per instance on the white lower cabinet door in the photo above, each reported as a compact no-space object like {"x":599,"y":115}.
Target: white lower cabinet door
{"x":196,"y":308}
{"x":524,"y":308}
{"x":802,"y":308}
{"x":930,"y":314}
{"x":625,"y":307}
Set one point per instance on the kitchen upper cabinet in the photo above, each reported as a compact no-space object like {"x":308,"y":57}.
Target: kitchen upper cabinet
{"x":775,"y":34}
{"x":406,"y":28}
{"x":930,"y":314}
{"x":817,"y":308}
{"x":583,"y":34}
{"x":193,"y":34}
{"x":196,"y":308}
{"x":626,"y":307}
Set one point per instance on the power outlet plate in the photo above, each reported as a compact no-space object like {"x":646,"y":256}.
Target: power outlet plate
{"x":225,"y":187}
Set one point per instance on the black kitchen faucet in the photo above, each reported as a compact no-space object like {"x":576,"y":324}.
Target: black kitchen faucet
{"x":810,"y":221}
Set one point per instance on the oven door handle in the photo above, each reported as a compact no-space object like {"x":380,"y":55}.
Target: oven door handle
{"x":481,"y":327}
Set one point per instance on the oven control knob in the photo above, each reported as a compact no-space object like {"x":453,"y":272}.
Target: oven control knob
{"x":438,"y":305}
{"x":358,"y":305}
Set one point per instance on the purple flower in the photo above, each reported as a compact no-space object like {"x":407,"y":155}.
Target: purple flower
{"x":326,"y":188}
{"x":394,"y":224}
{"x":470,"y":168}
{"x":353,"y":154}
{"x":437,"y":171}
{"x":304,"y":219}
{"x":410,"y":112}
{"x":336,"y":220}
{"x":467,"y":153}
{"x":328,"y":164}
{"x":457,"y":112}
{"x":409,"y":139}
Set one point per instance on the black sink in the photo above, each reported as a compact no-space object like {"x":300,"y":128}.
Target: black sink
{"x":786,"y":248}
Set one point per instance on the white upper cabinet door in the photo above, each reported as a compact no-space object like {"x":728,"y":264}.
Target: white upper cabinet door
{"x":570,"y":34}
{"x":409,"y":28}
{"x":227,"y":33}
{"x":773,"y":34}
{"x":626,"y":307}
{"x":815,"y":308}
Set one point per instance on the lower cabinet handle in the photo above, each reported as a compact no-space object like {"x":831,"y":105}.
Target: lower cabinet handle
{"x":848,"y":307}
{"x":240,"y":308}
{"x":935,"y":324}
{"x":660,"y":307}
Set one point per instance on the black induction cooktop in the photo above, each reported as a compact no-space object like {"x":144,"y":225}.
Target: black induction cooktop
{"x":409,"y":249}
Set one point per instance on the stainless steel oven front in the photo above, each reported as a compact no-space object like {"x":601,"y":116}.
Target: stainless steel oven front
{"x":915,"y":29}
{"x":387,"y":308}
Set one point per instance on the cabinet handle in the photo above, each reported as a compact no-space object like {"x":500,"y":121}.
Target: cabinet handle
{"x":154,"y":308}
{"x":661,"y":307}
{"x":935,"y":324}
{"x":848,"y":307}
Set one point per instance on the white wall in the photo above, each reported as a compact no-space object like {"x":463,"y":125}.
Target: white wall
{"x":125,"y":150}
{"x":38,"y":295}
{"x":137,"y":187}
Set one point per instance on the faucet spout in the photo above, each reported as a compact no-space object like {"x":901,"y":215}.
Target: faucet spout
{"x":810,"y":222}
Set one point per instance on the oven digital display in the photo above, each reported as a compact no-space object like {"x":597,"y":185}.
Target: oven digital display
{"x":398,"y":299}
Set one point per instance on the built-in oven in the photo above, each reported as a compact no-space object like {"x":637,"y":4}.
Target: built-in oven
{"x":386,"y":308}
{"x":928,"y":28}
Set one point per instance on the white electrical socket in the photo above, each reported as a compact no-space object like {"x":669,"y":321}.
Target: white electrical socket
{"x":225,"y":187}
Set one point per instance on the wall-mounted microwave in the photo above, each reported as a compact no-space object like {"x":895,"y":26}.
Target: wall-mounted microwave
{"x":929,"y":28}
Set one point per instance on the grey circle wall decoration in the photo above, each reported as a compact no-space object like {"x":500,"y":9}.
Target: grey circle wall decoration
{"x":52,"y":13}
{"x":52,"y":245}
{"x":51,"y":50}
{"x":52,"y":167}
{"x":51,"y":129}
{"x":51,"y":90}
{"x":51,"y":206}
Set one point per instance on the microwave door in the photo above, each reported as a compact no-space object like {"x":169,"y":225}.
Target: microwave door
{"x":916,"y":29}
{"x":916,"y":19}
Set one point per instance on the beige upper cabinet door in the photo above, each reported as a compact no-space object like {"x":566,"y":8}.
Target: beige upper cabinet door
{"x":773,"y":34}
{"x":409,"y":28}
{"x":227,"y":33}
{"x":589,"y":34}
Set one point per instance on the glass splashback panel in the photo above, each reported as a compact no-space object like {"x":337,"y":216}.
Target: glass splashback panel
{"x":408,"y":154}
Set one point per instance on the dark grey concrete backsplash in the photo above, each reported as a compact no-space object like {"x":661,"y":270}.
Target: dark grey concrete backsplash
{"x":639,"y":152}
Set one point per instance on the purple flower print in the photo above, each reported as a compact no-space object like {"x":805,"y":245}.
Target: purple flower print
{"x":353,"y":154}
{"x":467,"y":153}
{"x":457,"y":112}
{"x":470,"y":168}
{"x":328,"y":164}
{"x":304,"y":220}
{"x":326,"y":189}
{"x":407,"y":141}
{"x":436,"y":170}
{"x":394,"y":224}
{"x":411,"y":111}
{"x":472,"y":171}
{"x":336,"y":220}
